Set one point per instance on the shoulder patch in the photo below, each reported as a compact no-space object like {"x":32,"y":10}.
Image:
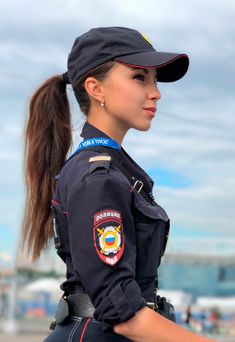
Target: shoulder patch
{"x":108,"y":236}
{"x":99,"y":158}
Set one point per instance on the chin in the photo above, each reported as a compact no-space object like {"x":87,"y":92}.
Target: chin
{"x":142,"y":127}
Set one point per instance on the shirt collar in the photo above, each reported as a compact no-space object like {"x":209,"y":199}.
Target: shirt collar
{"x":90,"y":131}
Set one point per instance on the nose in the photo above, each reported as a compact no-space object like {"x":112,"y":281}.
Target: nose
{"x":154,"y":93}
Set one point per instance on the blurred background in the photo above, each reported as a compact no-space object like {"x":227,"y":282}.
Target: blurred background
{"x":189,"y":152}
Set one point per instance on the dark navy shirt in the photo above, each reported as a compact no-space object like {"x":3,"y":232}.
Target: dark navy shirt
{"x":110,"y":236}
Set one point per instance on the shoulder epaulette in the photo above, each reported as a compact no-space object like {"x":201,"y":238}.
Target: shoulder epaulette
{"x":99,"y":158}
{"x":102,"y":161}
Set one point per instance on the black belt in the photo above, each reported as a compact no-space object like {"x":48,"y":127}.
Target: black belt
{"x":74,"y":305}
{"x":80,"y":305}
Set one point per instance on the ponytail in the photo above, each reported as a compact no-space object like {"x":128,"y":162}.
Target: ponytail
{"x":48,"y":138}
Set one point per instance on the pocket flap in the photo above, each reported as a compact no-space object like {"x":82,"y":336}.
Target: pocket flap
{"x":152,"y":211}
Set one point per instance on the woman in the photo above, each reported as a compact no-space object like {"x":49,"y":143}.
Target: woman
{"x":107,"y":227}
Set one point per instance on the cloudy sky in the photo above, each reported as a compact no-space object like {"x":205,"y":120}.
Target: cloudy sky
{"x":189,"y":150}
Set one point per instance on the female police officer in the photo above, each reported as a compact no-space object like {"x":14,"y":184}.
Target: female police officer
{"x":107,"y":227}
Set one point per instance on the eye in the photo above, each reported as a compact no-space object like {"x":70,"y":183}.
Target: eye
{"x":139,"y":77}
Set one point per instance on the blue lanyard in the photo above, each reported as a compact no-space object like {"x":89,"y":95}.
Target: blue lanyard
{"x":97,"y":142}
{"x":107,"y":142}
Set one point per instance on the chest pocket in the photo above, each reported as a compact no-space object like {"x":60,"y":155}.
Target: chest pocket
{"x":152,"y":230}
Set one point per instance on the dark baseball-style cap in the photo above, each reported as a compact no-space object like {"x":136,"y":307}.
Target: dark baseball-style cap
{"x":125,"y":45}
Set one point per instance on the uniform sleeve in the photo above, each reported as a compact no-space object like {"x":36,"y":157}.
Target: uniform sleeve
{"x":103,"y":244}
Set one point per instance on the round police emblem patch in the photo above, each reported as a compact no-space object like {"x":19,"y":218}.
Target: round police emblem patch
{"x":108,"y":236}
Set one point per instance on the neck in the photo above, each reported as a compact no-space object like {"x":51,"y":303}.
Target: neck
{"x":109,"y":126}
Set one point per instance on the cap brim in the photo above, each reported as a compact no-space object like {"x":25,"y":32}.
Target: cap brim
{"x":170,"y":66}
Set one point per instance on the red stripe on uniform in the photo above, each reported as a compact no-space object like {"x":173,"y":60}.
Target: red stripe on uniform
{"x":55,"y":202}
{"x":84,"y":329}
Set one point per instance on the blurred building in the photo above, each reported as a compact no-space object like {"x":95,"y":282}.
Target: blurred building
{"x":207,"y":269}
{"x":49,"y":262}
{"x":200,"y":276}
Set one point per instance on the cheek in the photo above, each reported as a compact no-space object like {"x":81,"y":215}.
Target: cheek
{"x":126,"y":95}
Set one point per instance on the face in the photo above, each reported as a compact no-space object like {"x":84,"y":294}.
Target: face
{"x":131,"y":95}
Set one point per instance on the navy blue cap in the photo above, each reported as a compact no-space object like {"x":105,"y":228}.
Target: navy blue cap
{"x":125,"y":45}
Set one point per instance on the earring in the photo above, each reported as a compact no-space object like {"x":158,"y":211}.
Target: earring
{"x":102,"y":104}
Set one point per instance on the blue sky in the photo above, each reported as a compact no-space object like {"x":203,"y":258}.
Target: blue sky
{"x":189,"y":150}
{"x":169,"y":178}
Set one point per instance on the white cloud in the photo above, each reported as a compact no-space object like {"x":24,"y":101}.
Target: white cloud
{"x":196,"y":140}
{"x":5,"y":257}
{"x":199,"y":207}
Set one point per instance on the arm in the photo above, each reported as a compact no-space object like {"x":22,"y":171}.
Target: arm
{"x":107,"y":273}
{"x":149,"y":326}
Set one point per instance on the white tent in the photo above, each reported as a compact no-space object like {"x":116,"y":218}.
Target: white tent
{"x":179,"y":299}
{"x":222,"y":303}
{"x":43,"y":285}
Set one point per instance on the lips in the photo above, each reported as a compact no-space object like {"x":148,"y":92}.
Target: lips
{"x":151,"y":109}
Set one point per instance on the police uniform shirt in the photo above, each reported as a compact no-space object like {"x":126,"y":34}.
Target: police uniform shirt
{"x":110,"y":236}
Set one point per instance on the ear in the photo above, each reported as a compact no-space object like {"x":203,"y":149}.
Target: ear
{"x":94,"y":89}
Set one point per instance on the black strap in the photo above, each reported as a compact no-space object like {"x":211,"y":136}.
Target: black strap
{"x":147,"y":196}
{"x":80,"y":305}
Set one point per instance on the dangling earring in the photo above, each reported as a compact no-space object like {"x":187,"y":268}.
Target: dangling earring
{"x":102,"y":104}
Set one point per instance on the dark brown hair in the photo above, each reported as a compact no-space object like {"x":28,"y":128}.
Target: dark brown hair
{"x":48,"y":137}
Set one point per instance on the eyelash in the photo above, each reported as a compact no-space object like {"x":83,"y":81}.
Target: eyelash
{"x":141,"y":77}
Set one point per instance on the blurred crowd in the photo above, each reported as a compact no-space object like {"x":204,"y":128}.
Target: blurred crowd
{"x":203,"y":321}
{"x":210,"y":321}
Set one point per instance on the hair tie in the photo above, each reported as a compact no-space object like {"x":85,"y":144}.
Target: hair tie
{"x":66,"y":77}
